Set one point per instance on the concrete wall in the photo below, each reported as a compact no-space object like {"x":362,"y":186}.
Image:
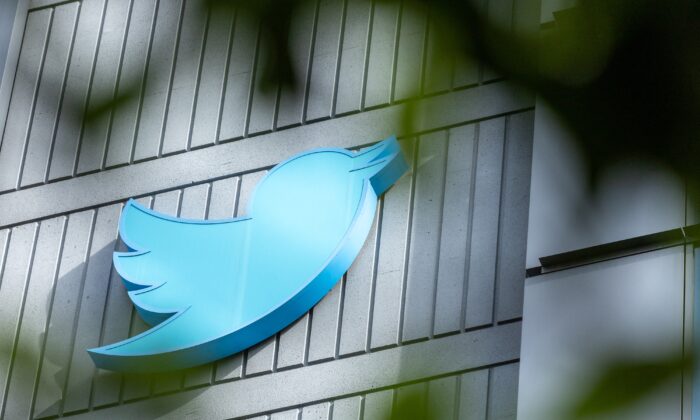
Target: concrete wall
{"x":611,"y":278}
{"x":13,"y":14}
{"x":611,"y":273}
{"x":580,"y":321}
{"x":434,"y":299}
{"x":630,"y":200}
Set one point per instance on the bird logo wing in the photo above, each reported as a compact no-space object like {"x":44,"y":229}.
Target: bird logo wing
{"x":177,"y":272}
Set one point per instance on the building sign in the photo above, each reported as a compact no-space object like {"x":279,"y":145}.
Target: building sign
{"x":210,"y":289}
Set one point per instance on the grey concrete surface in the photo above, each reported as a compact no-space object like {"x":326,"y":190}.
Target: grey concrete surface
{"x":578,"y":322}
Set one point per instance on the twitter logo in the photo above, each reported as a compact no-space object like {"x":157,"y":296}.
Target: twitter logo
{"x":210,"y":289}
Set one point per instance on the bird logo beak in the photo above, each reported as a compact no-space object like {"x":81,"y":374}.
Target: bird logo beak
{"x":383,"y":164}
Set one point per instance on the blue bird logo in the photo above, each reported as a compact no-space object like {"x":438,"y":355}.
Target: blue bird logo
{"x":210,"y":289}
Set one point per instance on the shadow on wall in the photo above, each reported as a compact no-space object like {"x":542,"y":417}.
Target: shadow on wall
{"x":50,"y":371}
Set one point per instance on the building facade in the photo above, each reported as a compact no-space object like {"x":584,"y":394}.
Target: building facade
{"x":430,"y":313}
{"x":432,"y":305}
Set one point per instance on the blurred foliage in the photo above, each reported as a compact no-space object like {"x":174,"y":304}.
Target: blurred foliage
{"x":623,"y":383}
{"x":623,"y":74}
